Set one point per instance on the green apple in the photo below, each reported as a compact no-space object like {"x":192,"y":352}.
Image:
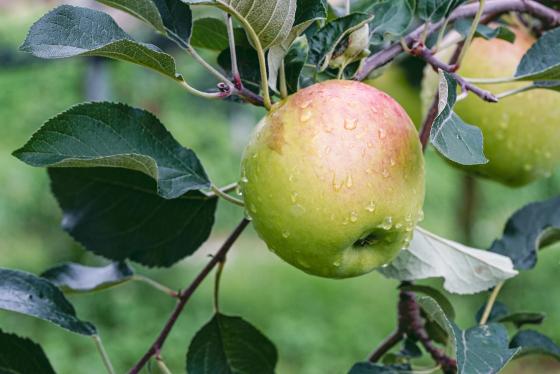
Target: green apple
{"x":521,"y":132}
{"x":333,"y":179}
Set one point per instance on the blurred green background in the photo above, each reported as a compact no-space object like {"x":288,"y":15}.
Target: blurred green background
{"x":319,"y":326}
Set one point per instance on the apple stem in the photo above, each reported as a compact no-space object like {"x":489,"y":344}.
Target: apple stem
{"x":185,"y":295}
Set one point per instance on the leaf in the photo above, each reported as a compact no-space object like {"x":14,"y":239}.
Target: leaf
{"x":392,"y":18}
{"x":294,"y":62}
{"x":323,"y":43}
{"x":435,"y":10}
{"x":465,"y":270}
{"x":271,"y":20}
{"x":22,"y":356}
{"x":456,"y":140}
{"x":534,"y":226}
{"x":170,"y":17}
{"x":520,"y":319}
{"x":463,"y":26}
{"x":72,"y":277}
{"x":498,"y":311}
{"x":116,"y":213}
{"x":480,"y":349}
{"x":248,"y":65}
{"x":69,"y":31}
{"x":27,"y":294}
{"x":374,"y":368}
{"x":435,"y":294}
{"x":533,"y":342}
{"x":230,"y":345}
{"x":542,"y":60}
{"x":211,"y":33}
{"x":116,"y":135}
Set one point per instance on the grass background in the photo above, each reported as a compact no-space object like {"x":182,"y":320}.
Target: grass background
{"x":319,"y":326}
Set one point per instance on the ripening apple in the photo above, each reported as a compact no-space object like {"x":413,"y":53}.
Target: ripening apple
{"x":333,"y":179}
{"x":521,"y":132}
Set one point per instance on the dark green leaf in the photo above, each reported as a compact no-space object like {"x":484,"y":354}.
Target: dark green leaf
{"x":410,"y":349}
{"x":211,"y":33}
{"x":248,"y":64}
{"x":374,"y":368}
{"x":463,"y":26}
{"x":435,"y":294}
{"x":69,"y":31}
{"x":542,"y":60}
{"x":533,"y":342}
{"x":532,"y":227}
{"x":78,"y":278}
{"x":294,"y":62}
{"x":28,"y":294}
{"x":117,"y":213}
{"x":520,"y":319}
{"x":498,"y":311}
{"x":230,"y":345}
{"x":456,"y":140}
{"x":22,"y":356}
{"x":392,"y":18}
{"x":323,"y":43}
{"x":146,"y":10}
{"x":435,"y":10}
{"x":116,"y":135}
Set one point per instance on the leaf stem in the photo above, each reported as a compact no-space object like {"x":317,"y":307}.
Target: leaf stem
{"x":103,"y":353}
{"x":282,"y":78}
{"x":205,"y":95}
{"x":185,"y":295}
{"x":490,"y":303}
{"x":156,"y":285}
{"x":491,"y":80}
{"x":227,"y":197}
{"x":161,"y":365}
{"x":515,"y":91}
{"x":233,"y":53}
{"x":219,"y":271}
{"x":472,"y":31}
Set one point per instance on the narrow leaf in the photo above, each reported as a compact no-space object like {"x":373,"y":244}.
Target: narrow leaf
{"x":22,"y":356}
{"x":117,"y":213}
{"x":533,"y":342}
{"x":465,"y":270}
{"x":116,"y":135}
{"x":72,"y":277}
{"x":532,"y":227}
{"x":69,"y":31}
{"x":542,"y":60}
{"x":230,"y":345}
{"x":456,"y":140}
{"x":28,"y":294}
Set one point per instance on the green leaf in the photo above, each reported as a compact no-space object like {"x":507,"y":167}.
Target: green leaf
{"x":294,"y":62}
{"x":211,"y":33}
{"x":453,"y":138}
{"x":374,"y":368}
{"x":28,"y":294}
{"x":271,"y":20}
{"x":248,"y":65}
{"x":542,"y":60}
{"x":170,"y":17}
{"x":465,"y":270}
{"x":534,"y":226}
{"x":117,"y":213}
{"x":533,"y":342}
{"x":230,"y":345}
{"x":435,"y":294}
{"x":392,"y":18}
{"x":498,"y":311}
{"x":435,"y":10}
{"x":72,"y":277}
{"x":22,"y":356}
{"x":116,"y":135}
{"x":463,"y":26}
{"x":520,"y":319}
{"x":323,"y":43}
{"x":146,"y":10}
{"x":69,"y":31}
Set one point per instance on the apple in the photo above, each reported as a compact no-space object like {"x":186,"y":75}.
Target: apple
{"x":333,"y":179}
{"x":521,"y":132}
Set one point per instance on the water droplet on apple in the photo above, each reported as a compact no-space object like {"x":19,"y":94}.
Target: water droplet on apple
{"x":384,"y":266}
{"x":294,"y":197}
{"x":369,"y":171}
{"x":370,"y":145}
{"x":349,"y":181}
{"x":420,"y":216}
{"x":253,"y":208}
{"x":528,"y":167}
{"x":393,"y":162}
{"x":285,"y":234}
{"x":336,"y":264}
{"x":387,"y":223}
{"x":327,"y":150}
{"x":353,"y":216}
{"x":371,"y":207}
{"x":385,"y":173}
{"x":238,"y":190}
{"x":305,"y":104}
{"x":399,"y":226}
{"x":350,"y":124}
{"x":306,"y":116}
{"x":297,"y":210}
{"x":382,"y":133}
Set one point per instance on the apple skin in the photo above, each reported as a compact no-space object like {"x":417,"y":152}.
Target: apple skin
{"x":521,"y":132}
{"x":333,"y":179}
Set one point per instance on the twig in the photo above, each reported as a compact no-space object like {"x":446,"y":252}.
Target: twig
{"x":185,"y":295}
{"x":154,"y":284}
{"x":490,"y":303}
{"x":550,"y":16}
{"x":386,"y":345}
{"x":103,"y":353}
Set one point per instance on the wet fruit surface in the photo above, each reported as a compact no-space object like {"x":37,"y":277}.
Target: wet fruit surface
{"x":333,"y":179}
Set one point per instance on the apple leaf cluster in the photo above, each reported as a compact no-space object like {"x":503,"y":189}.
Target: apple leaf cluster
{"x":130,"y":192}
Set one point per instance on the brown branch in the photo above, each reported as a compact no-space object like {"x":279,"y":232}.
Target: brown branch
{"x":185,"y":295}
{"x":386,"y":345}
{"x":550,"y":16}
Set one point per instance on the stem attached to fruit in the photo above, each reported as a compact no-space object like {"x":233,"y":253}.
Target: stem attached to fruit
{"x":282,"y":79}
{"x":550,"y":16}
{"x":472,"y":31}
{"x":158,"y":286}
{"x":185,"y":295}
{"x":490,"y":303}
{"x":103,"y":354}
